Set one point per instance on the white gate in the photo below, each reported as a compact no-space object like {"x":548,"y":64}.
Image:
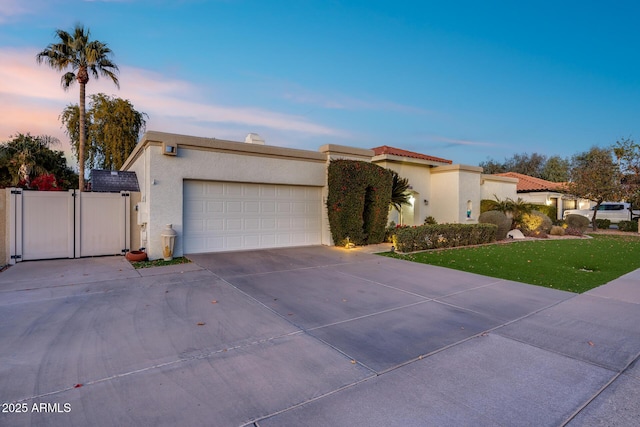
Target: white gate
{"x":52,"y":224}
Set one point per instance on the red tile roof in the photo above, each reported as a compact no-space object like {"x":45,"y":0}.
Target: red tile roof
{"x":529,"y":183}
{"x":385,"y":149}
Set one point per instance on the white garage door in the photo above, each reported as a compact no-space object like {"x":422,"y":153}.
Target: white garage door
{"x":227,"y":216}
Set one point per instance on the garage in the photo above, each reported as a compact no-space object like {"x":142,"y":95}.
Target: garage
{"x":229,"y":216}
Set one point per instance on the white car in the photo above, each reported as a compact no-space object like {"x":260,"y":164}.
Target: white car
{"x":614,"y":212}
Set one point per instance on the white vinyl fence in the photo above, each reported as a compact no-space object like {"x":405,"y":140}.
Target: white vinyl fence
{"x":73,"y":224}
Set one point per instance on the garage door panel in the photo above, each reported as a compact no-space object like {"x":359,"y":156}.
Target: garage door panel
{"x":223,"y":216}
{"x":284,"y":207}
{"x":252,"y":207}
{"x":252,"y":224}
{"x":233,"y":207}
{"x":268,"y":224}
{"x":232,"y":189}
{"x":210,"y":190}
{"x":233,"y":224}
{"x":251,"y":191}
{"x":268,"y":207}
{"x":215,"y":207}
{"x":283,"y":224}
{"x":268,"y":191}
{"x":251,"y":240}
{"x":215,"y":225}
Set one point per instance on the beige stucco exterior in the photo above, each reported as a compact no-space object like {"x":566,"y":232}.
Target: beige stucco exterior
{"x":439,"y":189}
{"x":500,"y":187}
{"x":161,"y":177}
{"x":418,"y":172}
{"x":456,"y":188}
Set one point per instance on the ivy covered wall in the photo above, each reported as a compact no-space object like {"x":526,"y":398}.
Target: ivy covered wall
{"x":358,"y":201}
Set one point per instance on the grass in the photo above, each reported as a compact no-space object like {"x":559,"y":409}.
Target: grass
{"x":574,"y":265}
{"x":160,"y":262}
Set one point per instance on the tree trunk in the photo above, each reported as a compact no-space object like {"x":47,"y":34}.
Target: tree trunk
{"x":83,"y":137}
{"x":593,"y":219}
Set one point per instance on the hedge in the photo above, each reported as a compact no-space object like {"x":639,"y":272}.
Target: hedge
{"x":443,"y":236}
{"x":628,"y":226}
{"x":358,"y":201}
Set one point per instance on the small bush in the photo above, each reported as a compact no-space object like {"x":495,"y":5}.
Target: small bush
{"x":572,"y":231}
{"x":603,"y":223}
{"x":389,"y":231}
{"x":499,"y":219}
{"x":549,"y":210}
{"x":557,"y":230}
{"x":628,"y":226}
{"x":443,"y":236}
{"x":487,"y":205}
{"x":535,"y":223}
{"x":430,"y":220}
{"x":577,"y":221}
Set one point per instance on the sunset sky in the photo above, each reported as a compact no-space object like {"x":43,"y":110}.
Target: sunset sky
{"x":465,"y":80}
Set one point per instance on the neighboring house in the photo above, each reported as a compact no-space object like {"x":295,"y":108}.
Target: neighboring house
{"x":543,"y":192}
{"x":226,"y":195}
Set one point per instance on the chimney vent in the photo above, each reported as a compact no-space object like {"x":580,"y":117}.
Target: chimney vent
{"x":254,"y":138}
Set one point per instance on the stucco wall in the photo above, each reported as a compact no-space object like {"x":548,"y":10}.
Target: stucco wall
{"x":134,"y":228}
{"x":452,"y":187}
{"x":419,"y":177}
{"x":502,"y":187}
{"x":211,"y":160}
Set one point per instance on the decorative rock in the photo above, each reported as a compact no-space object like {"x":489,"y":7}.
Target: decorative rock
{"x":515,"y":234}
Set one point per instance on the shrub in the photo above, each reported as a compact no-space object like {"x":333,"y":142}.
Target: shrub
{"x":578,"y":222}
{"x":628,"y":226}
{"x":430,"y":220}
{"x":358,"y":201}
{"x":535,"y":223}
{"x":549,"y":210}
{"x":557,"y":230}
{"x":603,"y":223}
{"x":573,"y":231}
{"x":389,"y":232}
{"x":502,"y":221}
{"x":443,"y":236}
{"x":487,"y":205}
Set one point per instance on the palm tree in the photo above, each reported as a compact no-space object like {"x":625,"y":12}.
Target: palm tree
{"x":82,"y":56}
{"x":399,"y":191}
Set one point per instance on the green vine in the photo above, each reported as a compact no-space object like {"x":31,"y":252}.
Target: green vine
{"x":358,"y":201}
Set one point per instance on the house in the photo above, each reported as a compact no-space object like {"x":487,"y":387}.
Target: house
{"x":224,"y":195}
{"x":543,"y":192}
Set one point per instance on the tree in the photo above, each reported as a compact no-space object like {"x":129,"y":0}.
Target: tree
{"x":29,"y":162}
{"x":527,"y":164}
{"x":595,"y":176}
{"x":113,"y":130}
{"x":627,"y":153}
{"x":555,"y":168}
{"x":399,"y":191}
{"x":82,"y":56}
{"x":491,"y":166}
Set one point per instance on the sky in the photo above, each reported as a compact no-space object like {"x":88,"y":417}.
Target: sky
{"x":466,"y":81}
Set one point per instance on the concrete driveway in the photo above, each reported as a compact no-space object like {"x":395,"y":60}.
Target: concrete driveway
{"x":311,"y":336}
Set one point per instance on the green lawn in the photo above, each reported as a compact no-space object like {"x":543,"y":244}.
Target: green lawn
{"x":574,"y":265}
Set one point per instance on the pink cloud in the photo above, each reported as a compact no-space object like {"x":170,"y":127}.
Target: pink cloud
{"x":34,"y":100}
